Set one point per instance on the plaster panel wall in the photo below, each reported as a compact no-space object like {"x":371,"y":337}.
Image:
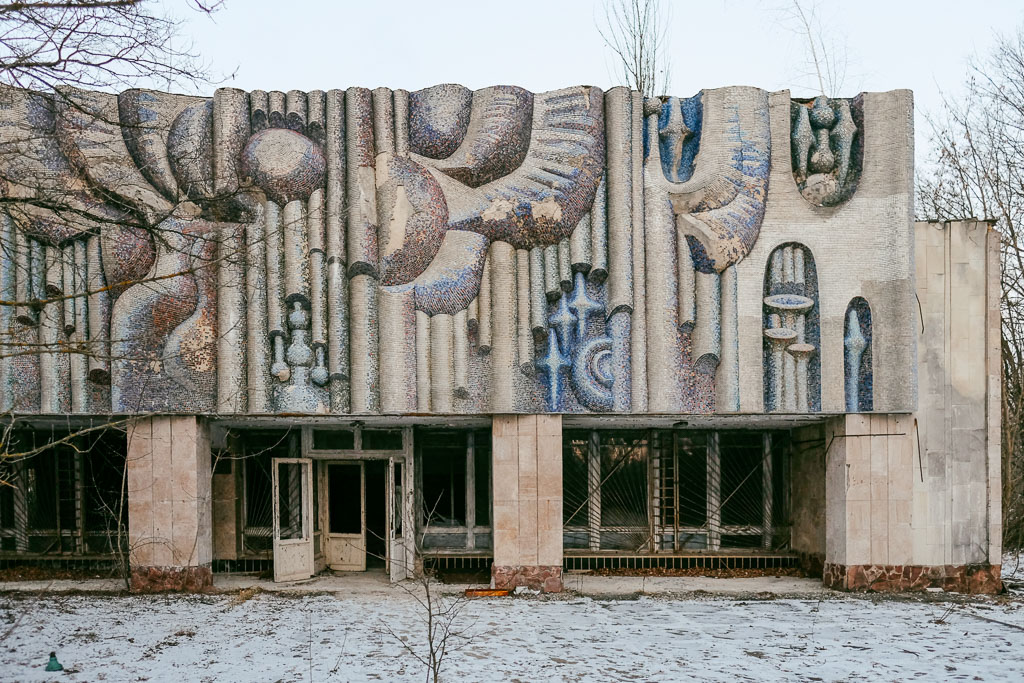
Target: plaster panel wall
{"x":869,"y":490}
{"x":958,"y":501}
{"x":807,"y":492}
{"x":169,"y":493}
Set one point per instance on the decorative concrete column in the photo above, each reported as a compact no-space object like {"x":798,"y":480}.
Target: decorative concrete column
{"x":170,"y":532}
{"x":527,"y":485}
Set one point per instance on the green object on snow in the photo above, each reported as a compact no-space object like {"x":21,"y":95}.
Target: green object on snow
{"x":53,"y":664}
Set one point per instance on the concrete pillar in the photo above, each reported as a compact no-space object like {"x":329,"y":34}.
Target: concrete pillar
{"x":169,"y":504}
{"x":527,"y":500}
{"x":807,"y":497}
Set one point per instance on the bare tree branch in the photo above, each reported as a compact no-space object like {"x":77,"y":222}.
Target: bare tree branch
{"x":636,"y":31}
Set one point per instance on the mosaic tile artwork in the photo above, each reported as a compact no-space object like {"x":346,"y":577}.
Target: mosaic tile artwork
{"x":827,"y":149}
{"x":857,"y":369}
{"x":792,"y":367}
{"x":439,"y":251}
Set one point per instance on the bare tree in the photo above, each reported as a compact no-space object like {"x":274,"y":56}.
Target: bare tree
{"x":440,"y":613}
{"x":977,"y":170}
{"x":826,"y":56}
{"x":96,"y":44}
{"x":636,"y":31}
{"x":52,"y":47}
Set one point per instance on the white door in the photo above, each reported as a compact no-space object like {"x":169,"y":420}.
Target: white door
{"x":399,"y":560}
{"x":346,"y":519}
{"x":293,"y":518}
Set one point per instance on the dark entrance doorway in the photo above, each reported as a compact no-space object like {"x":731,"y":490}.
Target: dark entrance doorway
{"x":376,"y":513}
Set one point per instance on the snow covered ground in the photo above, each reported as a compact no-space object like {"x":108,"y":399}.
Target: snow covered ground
{"x":342,"y":636}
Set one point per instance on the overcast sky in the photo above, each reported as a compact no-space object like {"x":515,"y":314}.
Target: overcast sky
{"x":547,"y":44}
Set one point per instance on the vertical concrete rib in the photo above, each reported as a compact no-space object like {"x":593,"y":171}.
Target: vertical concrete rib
{"x":662,"y":314}
{"x":338,"y":337}
{"x":37,"y":258}
{"x":334,"y":185}
{"x":686,"y":283}
{"x":360,"y":187}
{"x":503,"y":349}
{"x":296,"y":253}
{"x":524,"y":333}
{"x":383,"y":121}
{"x":423,"y":379}
{"x":460,"y":341}
{"x":484,"y":333}
{"x":599,"y":233}
{"x":365,"y":387}
{"x":619,"y":145}
{"x":295,"y":110}
{"x":638,"y":341}
{"x":334,"y":240}
{"x":53,"y":366}
{"x":707,"y":333}
{"x":538,"y":300}
{"x":401,"y":113}
{"x":68,"y":277}
{"x":259,"y":110}
{"x":275,"y":295}
{"x":564,"y":266}
{"x":397,"y":344}
{"x":99,"y":314}
{"x":231,"y":129}
{"x":231,"y":320}
{"x":79,"y":364}
{"x":316,"y":102}
{"x":317,"y":274}
{"x":276,"y":109}
{"x":580,"y":248}
{"x":441,"y":362}
{"x":473,"y":313}
{"x":257,"y":332}
{"x":22,"y":260}
{"x":552,"y":282}
{"x":727,"y":381}
{"x":8,"y":292}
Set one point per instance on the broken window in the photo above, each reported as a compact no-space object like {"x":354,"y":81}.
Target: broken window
{"x":66,"y":494}
{"x":259,"y":448}
{"x":645,"y":491}
{"x":454,"y":488}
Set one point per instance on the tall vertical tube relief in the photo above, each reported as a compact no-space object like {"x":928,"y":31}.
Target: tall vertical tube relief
{"x":792,"y":366}
{"x":857,"y":366}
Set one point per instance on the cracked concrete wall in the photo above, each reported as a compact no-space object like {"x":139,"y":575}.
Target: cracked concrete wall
{"x":923,"y":489}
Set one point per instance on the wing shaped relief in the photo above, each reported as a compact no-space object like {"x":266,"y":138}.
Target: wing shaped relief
{"x":827,"y":148}
{"x":705,"y":182}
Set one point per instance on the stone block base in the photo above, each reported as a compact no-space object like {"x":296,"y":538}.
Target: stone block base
{"x":547,"y":579}
{"x":963,"y":578}
{"x":165,"y":579}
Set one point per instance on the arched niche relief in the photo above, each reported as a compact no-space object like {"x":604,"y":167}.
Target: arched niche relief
{"x":857,"y":362}
{"x":826,"y":140}
{"x":792,"y":365}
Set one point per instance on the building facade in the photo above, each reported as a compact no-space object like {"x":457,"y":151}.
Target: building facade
{"x":532,"y":332}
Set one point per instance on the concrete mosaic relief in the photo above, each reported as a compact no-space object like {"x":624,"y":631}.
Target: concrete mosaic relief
{"x":827,"y":149}
{"x":385,"y":251}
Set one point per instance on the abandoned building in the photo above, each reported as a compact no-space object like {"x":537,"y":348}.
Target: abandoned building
{"x":494,"y":329}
